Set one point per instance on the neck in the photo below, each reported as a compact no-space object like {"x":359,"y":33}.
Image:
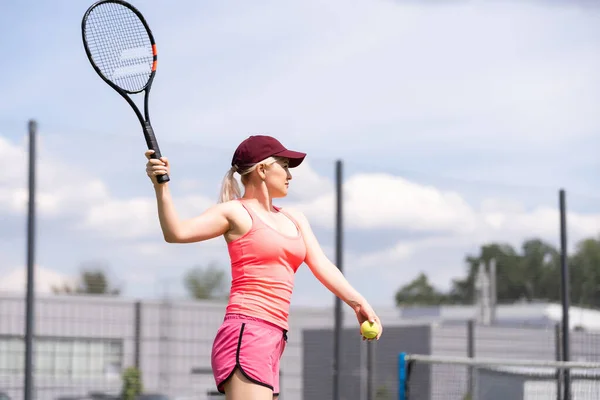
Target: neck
{"x":260,"y":195}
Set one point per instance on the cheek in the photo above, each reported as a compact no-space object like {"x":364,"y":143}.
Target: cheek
{"x":278,"y":178}
{"x":281,"y":173}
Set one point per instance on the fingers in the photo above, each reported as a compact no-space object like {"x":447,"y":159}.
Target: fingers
{"x":163,"y":161}
{"x":149,"y":153}
{"x":155,"y":161}
{"x":380,"y":330}
{"x":369,"y":315}
{"x":157,"y":170}
{"x":156,"y":167}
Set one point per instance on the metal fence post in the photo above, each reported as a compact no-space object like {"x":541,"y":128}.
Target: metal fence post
{"x":471,"y":353}
{"x":137,"y":333}
{"x":30,"y":295}
{"x":565,"y":291}
{"x":338,"y":312}
{"x":370,"y":363}
{"x":557,"y":347}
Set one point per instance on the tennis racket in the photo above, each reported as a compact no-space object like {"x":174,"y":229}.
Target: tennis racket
{"x":120,"y":46}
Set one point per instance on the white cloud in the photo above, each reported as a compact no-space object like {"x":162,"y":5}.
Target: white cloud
{"x":138,"y":217}
{"x":15,"y":281}
{"x":381,"y":201}
{"x":436,"y":88}
{"x":392,"y":255}
{"x":122,"y":218}
{"x":306,"y":182}
{"x":440,"y":227}
{"x":381,"y":64}
{"x":66,"y":191}
{"x":61,"y":188}
{"x":375,"y":201}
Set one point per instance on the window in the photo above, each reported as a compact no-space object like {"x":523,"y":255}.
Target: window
{"x":73,"y":358}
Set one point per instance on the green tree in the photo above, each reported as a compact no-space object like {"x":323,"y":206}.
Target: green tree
{"x":540,"y":271}
{"x":507,"y":267}
{"x":132,"y":384}
{"x":585,"y":273}
{"x":93,"y":279}
{"x":205,"y":283}
{"x":382,"y":393}
{"x":419,"y":292}
{"x":534,"y":273}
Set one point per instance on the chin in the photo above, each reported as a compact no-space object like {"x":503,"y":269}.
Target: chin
{"x":279,"y":194}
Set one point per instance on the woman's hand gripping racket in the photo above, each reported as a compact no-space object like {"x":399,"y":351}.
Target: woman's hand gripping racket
{"x":121,"y":48}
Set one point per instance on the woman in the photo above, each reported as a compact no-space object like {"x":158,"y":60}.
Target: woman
{"x":266,"y":245}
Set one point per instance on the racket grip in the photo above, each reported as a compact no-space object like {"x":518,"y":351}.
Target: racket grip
{"x":153,"y":145}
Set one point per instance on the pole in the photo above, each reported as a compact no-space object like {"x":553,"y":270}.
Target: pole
{"x":471,"y":354}
{"x":337,"y":339}
{"x":137,"y":334}
{"x":564,"y":294}
{"x":29,"y":306}
{"x":370,"y":372}
{"x":493,"y":290}
{"x":558,"y":356}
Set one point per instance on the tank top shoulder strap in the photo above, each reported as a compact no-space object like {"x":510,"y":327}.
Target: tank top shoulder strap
{"x":279,"y":209}
{"x":255,"y":219}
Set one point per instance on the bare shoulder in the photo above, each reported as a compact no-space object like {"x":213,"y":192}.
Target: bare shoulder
{"x":231,"y":209}
{"x":225,"y":211}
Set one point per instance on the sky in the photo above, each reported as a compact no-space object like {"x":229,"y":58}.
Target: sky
{"x":457,"y":123}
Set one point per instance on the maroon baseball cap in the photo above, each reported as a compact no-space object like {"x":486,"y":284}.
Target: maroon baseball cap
{"x":258,"y":147}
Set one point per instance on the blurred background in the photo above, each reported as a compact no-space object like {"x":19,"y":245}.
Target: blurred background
{"x":456,"y":124}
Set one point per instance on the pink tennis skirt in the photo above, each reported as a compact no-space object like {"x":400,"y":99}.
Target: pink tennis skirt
{"x":252,"y":345}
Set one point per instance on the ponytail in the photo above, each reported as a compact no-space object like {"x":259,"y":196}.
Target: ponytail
{"x":230,"y":189}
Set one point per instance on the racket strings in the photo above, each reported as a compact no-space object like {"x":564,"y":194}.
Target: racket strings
{"x":119,"y":46}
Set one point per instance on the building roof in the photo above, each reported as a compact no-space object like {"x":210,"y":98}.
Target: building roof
{"x":536,"y":313}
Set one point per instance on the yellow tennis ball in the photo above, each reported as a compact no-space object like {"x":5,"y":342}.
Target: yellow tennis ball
{"x":369,"y":330}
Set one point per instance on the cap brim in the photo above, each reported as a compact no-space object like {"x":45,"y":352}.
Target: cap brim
{"x":295,"y":157}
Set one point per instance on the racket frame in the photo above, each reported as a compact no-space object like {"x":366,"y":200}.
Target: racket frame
{"x":144,"y":118}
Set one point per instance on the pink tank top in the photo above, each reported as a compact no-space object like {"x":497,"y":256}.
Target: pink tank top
{"x":263,"y":267}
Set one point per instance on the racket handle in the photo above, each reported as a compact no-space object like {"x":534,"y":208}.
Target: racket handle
{"x":153,"y":145}
{"x":163,"y":178}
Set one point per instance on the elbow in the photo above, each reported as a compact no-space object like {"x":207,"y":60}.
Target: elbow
{"x":171,"y":238}
{"x":177,"y":238}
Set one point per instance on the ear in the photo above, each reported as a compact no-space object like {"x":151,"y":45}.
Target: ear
{"x":261,"y":169}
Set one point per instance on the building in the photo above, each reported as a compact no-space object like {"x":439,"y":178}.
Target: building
{"x":84,"y":342}
{"x":527,"y":332}
{"x":535,"y":314}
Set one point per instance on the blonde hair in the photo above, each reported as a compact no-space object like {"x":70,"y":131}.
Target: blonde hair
{"x":230,"y":188}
